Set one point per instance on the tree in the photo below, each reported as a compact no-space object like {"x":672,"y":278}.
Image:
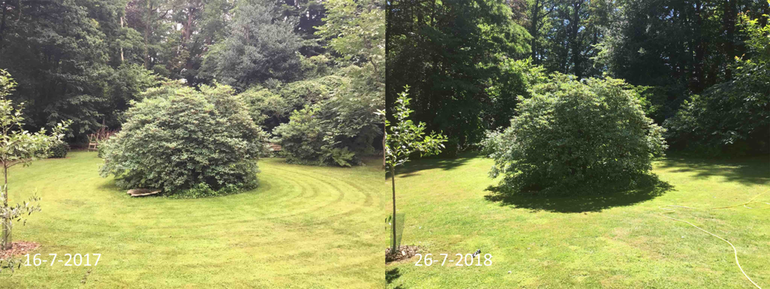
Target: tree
{"x":59,"y":60}
{"x":575,"y":136}
{"x":447,"y":52}
{"x":515,"y":78}
{"x":18,"y":146}
{"x":69,"y":58}
{"x":538,"y":13}
{"x":565,"y":33}
{"x":675,"y":47}
{"x":259,"y":46}
{"x":311,"y":15}
{"x":733,"y":117}
{"x":402,"y":139}
{"x":356,"y":30}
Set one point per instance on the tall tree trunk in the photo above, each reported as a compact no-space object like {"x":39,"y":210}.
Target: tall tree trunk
{"x":147,"y":26}
{"x":393,"y":182}
{"x":700,"y":51}
{"x":146,"y":49}
{"x":2,"y":22}
{"x":575,"y":23}
{"x":533,"y":30}
{"x":384,"y":152}
{"x":122,"y":59}
{"x":186,"y":36}
{"x":728,"y":24}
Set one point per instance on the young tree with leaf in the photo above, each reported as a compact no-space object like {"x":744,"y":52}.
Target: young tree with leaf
{"x":403,"y":138}
{"x":18,"y":146}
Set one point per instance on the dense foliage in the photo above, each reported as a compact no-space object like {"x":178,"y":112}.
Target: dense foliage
{"x":178,"y":138}
{"x":564,"y":33}
{"x":271,"y":107}
{"x":86,"y":60}
{"x":67,"y":57}
{"x":574,"y":134}
{"x":449,"y":53}
{"x":260,"y":45}
{"x":731,"y":118}
{"x":337,"y":130}
{"x":467,"y":65}
{"x":678,"y":47}
{"x":335,"y":120}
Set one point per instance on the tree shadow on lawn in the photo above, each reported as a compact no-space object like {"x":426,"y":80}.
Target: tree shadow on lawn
{"x":593,"y":201}
{"x":751,"y":170}
{"x":110,"y":186}
{"x":413,"y":168}
{"x":391,"y":276}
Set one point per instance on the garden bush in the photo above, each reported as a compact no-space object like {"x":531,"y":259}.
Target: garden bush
{"x":184,"y":139}
{"x":271,"y":107}
{"x":572,"y":135}
{"x":338,"y":130}
{"x":60,"y":150}
{"x":731,"y":118}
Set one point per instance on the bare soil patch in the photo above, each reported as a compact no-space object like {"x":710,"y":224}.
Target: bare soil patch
{"x":18,"y":248}
{"x":403,"y":253}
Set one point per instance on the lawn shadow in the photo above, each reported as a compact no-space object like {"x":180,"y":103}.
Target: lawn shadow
{"x":587,"y":202}
{"x":413,"y":168}
{"x":752,"y":170}
{"x":391,"y":276}
{"x":109,"y":186}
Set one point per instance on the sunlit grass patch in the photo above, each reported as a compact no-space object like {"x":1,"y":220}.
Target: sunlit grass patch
{"x":611,"y":240}
{"x":302,"y":227}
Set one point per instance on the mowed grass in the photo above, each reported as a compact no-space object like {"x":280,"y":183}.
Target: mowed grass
{"x":304,"y":227}
{"x":616,"y":241}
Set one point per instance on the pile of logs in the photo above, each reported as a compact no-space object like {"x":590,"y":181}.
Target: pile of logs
{"x":142,"y":192}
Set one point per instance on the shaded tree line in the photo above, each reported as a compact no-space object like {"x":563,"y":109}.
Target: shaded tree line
{"x":88,"y":60}
{"x":467,"y":61}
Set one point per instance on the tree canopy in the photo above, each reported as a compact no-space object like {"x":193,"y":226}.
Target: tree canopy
{"x":468,"y":61}
{"x":447,"y":52}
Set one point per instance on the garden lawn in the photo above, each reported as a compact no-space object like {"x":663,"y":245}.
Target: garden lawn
{"x":304,"y":227}
{"x":617,"y":241}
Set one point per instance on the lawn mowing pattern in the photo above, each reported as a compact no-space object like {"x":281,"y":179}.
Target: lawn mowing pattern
{"x":304,"y":227}
{"x":614,"y":242}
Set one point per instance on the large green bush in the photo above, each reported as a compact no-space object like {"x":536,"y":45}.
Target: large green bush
{"x":272,"y":107}
{"x":731,"y":118}
{"x":338,"y":130}
{"x":178,"y":138}
{"x":335,"y":132}
{"x":574,"y":134}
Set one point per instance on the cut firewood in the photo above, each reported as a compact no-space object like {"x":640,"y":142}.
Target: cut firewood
{"x":142,"y":192}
